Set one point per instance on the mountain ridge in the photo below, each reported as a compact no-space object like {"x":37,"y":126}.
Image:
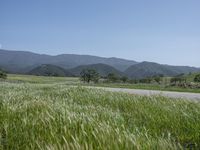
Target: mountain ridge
{"x":148,"y":69}
{"x":24,"y":61}
{"x":18,"y":61}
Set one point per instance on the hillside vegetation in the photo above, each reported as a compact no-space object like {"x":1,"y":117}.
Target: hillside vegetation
{"x":148,"y":69}
{"x":50,"y":70}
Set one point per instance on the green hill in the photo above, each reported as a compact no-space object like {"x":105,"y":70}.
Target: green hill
{"x":49,"y":70}
{"x":102,"y":69}
{"x":148,"y":69}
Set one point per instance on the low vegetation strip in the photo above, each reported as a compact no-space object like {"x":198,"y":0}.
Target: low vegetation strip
{"x":54,"y":116}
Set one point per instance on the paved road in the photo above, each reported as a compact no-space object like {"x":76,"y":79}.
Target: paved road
{"x":185,"y":95}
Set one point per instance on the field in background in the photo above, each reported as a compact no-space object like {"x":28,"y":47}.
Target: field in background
{"x":76,"y":81}
{"x":42,"y":79}
{"x":37,"y":115}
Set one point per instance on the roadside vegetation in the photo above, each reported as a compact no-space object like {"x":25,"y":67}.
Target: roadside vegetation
{"x":197,"y":78}
{"x":56,"y":116}
{"x":181,"y":82}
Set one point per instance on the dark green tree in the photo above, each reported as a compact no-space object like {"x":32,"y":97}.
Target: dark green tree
{"x":157,"y":79}
{"x":124,"y":79}
{"x":3,"y":75}
{"x":197,"y":78}
{"x":112,"y":77}
{"x":145,"y":80}
{"x":88,"y":75}
{"x":133,"y":81}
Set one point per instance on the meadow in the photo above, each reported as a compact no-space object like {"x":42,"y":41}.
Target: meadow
{"x":76,"y":81}
{"x":48,"y":113}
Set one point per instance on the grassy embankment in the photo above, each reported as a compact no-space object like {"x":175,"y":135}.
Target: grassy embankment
{"x":55,"y":116}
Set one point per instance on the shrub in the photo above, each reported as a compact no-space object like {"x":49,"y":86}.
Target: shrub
{"x":112,"y":77}
{"x":197,"y":78}
{"x":3,"y":75}
{"x":88,"y":75}
{"x":124,"y":79}
{"x":175,"y":80}
{"x":145,"y":80}
{"x":133,"y":81}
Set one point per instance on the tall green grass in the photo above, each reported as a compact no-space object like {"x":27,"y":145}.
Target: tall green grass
{"x":55,"y":116}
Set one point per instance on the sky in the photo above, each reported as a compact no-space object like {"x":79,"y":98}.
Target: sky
{"x":163,"y":31}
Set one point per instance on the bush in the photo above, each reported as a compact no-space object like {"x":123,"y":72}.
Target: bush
{"x":112,"y":77}
{"x":157,"y":79}
{"x":145,"y":80}
{"x":133,"y":81}
{"x":176,"y":80}
{"x":3,"y":75}
{"x":124,"y":79}
{"x":88,"y":75}
{"x":197,"y":78}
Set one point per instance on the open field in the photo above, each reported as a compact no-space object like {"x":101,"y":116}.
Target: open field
{"x":76,"y":81}
{"x":41,"y":79}
{"x":47,"y":114}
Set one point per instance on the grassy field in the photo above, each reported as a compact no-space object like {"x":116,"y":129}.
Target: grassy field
{"x":75,"y":81}
{"x":46,"y":113}
{"x":16,"y":78}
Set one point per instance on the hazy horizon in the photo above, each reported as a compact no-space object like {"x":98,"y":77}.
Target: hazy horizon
{"x":166,"y":32}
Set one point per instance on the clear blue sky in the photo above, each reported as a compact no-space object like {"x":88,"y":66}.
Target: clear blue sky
{"x":164,"y":31}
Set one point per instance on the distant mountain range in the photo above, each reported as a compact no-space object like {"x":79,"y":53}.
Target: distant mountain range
{"x":70,"y":64}
{"x":22,"y":61}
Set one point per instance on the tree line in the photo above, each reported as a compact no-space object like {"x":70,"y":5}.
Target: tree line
{"x":91,"y":75}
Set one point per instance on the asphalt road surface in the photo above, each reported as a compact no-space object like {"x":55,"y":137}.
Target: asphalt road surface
{"x":185,"y":95}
